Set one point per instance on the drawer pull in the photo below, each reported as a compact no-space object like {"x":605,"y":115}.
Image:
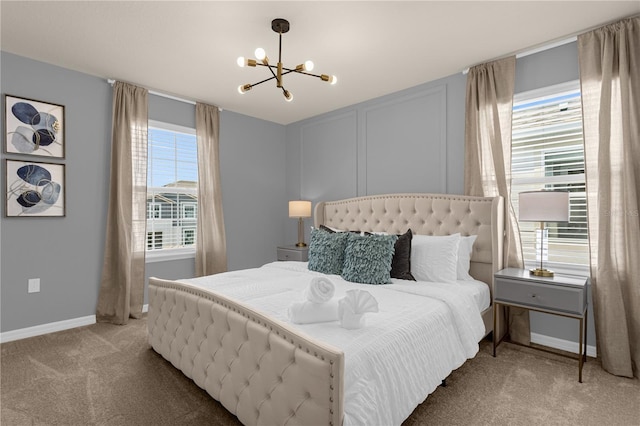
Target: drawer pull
{"x":533,"y":295}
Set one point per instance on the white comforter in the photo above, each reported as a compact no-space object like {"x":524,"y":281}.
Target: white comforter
{"x":421,"y":333}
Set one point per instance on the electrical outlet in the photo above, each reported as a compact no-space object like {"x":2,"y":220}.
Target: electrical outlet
{"x":34,"y":285}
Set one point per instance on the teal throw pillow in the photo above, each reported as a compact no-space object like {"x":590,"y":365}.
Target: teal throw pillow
{"x":326,"y":251}
{"x":367,"y":259}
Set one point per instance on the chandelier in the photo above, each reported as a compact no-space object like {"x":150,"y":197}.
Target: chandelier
{"x":280,"y":26}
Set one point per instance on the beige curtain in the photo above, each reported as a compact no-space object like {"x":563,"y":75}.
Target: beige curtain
{"x":610,"y":84}
{"x":211,"y":246}
{"x":489,"y":105}
{"x":122,"y":286}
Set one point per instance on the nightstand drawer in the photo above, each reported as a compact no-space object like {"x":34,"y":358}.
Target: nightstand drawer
{"x":543,"y":296}
{"x":293,"y":253}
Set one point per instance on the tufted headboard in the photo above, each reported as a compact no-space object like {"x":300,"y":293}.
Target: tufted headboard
{"x":427,"y":214}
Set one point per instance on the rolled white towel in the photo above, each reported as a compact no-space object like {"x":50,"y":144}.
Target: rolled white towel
{"x":320,"y":290}
{"x":309,"y":312}
{"x":353,"y":306}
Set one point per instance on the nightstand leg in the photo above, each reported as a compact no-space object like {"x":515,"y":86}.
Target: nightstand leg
{"x":586,"y":313}
{"x":580,"y":355}
{"x":495,"y":331}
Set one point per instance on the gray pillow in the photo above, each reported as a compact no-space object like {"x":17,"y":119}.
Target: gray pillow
{"x":367,"y":259}
{"x":326,"y":251}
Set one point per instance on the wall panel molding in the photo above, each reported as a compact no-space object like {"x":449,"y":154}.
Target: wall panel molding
{"x":409,"y":133}
{"x":328,"y":157}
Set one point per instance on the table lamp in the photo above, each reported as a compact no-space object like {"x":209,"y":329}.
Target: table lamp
{"x":543,"y":206}
{"x":300,"y":209}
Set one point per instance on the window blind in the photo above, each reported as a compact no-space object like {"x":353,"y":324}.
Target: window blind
{"x":548,"y":153}
{"x":172,"y":180}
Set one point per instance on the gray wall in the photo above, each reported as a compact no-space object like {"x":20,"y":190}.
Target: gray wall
{"x":409,"y":141}
{"x":412,"y":140}
{"x":66,"y":253}
{"x":253,"y":173}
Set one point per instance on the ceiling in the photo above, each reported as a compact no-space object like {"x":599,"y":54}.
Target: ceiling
{"x":189,"y":49}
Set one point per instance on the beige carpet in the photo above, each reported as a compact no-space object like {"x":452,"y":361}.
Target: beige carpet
{"x":108,"y":375}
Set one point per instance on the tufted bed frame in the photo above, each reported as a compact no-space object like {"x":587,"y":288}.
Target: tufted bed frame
{"x":239,"y":356}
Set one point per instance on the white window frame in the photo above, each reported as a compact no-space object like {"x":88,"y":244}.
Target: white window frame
{"x":551,"y":92}
{"x":173,"y":253}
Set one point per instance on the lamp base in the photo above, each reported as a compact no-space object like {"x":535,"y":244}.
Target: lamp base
{"x":300,"y":242}
{"x":540,"y":272}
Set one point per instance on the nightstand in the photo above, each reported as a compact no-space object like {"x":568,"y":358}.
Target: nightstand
{"x":558,"y":295}
{"x":293,"y":252}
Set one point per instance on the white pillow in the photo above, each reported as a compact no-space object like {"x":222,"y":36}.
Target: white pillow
{"x":464,"y":257}
{"x":435,"y":258}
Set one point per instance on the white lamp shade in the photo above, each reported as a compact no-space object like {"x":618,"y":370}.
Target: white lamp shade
{"x":299,"y":208}
{"x":543,"y":206}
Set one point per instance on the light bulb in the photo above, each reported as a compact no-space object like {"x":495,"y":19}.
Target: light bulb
{"x":260,"y":53}
{"x":308,"y":66}
{"x":244,"y":88}
{"x":241,"y":61}
{"x":288,"y":96}
{"x":331,"y":79}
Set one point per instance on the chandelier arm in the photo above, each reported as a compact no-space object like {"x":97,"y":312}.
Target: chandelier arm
{"x":267,"y":65}
{"x":262,"y":81}
{"x":299,"y":72}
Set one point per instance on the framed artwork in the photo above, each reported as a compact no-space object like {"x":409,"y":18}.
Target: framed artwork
{"x":33,"y":127}
{"x":34,"y":189}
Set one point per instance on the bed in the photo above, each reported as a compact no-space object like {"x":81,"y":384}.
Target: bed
{"x":265,"y":370}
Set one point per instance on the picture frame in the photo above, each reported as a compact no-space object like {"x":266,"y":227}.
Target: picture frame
{"x":33,"y":127}
{"x":34,"y":189}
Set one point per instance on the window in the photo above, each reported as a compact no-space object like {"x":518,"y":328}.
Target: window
{"x":188,"y":237}
{"x":154,"y":240}
{"x":172,"y":197}
{"x":189,"y":210}
{"x":548,"y":153}
{"x":154,"y":210}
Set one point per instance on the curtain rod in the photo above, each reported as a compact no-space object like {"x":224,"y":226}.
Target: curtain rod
{"x":163,"y":95}
{"x":538,"y":49}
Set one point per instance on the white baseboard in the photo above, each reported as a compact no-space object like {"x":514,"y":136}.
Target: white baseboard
{"x":563,"y":345}
{"x":52,"y":327}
